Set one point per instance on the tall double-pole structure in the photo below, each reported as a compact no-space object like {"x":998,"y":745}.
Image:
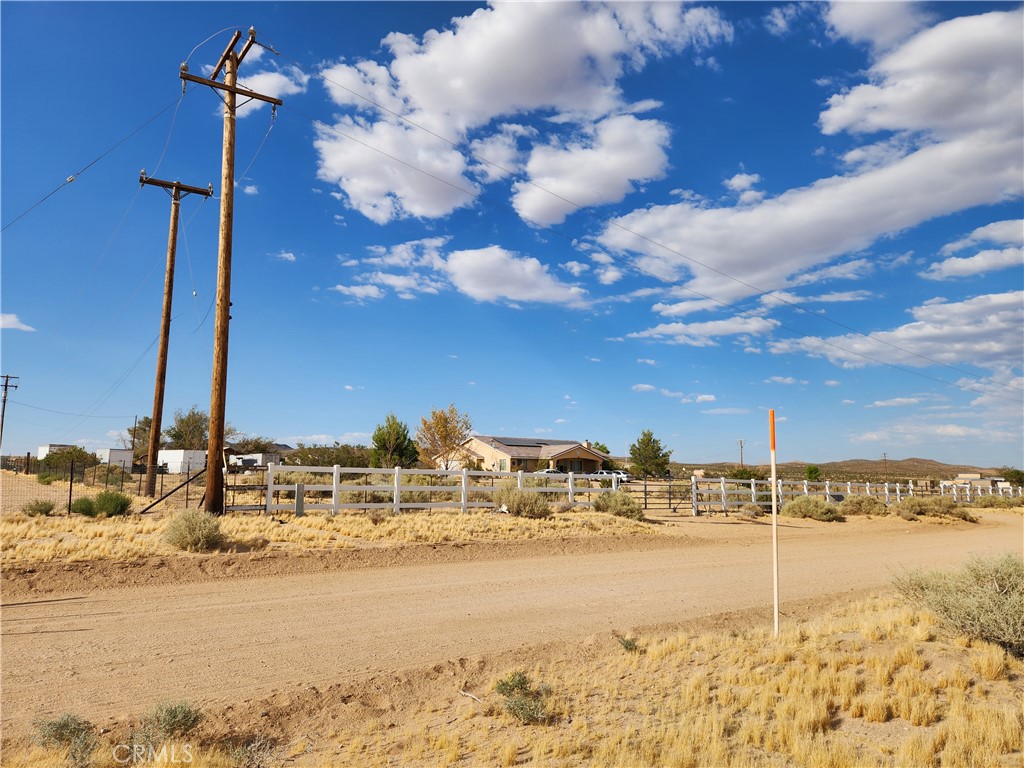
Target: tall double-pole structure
{"x":228,"y":63}
{"x":156,"y":424}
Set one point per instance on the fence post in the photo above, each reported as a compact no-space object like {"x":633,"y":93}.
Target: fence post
{"x":807,"y":490}
{"x":465,"y":490}
{"x":670,"y":507}
{"x":615,"y":487}
{"x":867,"y":488}
{"x":270,"y":488}
{"x":572,"y":488}
{"x":519,"y":479}
{"x":396,"y":501}
{"x":693,"y":494}
{"x":300,"y":498}
{"x":336,"y":490}
{"x":886,"y":494}
{"x":71,"y":485}
{"x":899,"y":498}
{"x":725,"y":501}
{"x":188,"y":481}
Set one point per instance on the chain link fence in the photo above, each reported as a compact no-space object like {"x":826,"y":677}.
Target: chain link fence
{"x":29,"y":485}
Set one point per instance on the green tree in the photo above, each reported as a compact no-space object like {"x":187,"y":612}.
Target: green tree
{"x":392,"y":446}
{"x":812,"y":473}
{"x":600,"y":447}
{"x":1012,"y":476}
{"x":253,"y":444}
{"x":139,"y":435}
{"x":190,"y":430}
{"x":329,"y":455}
{"x":439,"y":438}
{"x":747,"y":473}
{"x":647,"y":456}
{"x":63,"y":458}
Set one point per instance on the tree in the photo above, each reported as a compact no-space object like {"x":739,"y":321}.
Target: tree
{"x":439,"y":438}
{"x":1012,"y":476}
{"x":606,"y":463}
{"x":139,"y":434}
{"x":812,"y":473}
{"x":647,"y":457}
{"x":253,"y":444}
{"x":747,"y":473}
{"x":329,"y":455}
{"x":392,"y":446}
{"x":64,"y":457}
{"x":190,"y":430}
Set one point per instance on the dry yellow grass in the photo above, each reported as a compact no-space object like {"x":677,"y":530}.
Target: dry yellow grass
{"x":33,"y":539}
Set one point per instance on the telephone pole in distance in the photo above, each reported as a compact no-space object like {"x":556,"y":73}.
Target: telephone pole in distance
{"x":3,"y":408}
{"x":156,"y":424}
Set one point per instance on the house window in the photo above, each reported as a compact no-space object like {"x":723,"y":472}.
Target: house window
{"x":576,"y":465}
{"x":503,"y":465}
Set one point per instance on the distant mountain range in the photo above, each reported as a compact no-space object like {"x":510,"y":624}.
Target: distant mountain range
{"x":873,"y":470}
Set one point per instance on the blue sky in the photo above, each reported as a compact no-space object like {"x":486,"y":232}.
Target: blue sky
{"x":573,"y":221}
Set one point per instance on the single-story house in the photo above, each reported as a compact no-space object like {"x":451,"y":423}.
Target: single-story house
{"x":511,"y":454}
{"x":253,"y":459}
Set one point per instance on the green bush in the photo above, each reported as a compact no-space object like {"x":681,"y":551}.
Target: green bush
{"x":68,"y":732}
{"x":811,"y":507}
{"x":997,"y":502}
{"x":750,"y":509}
{"x":45,"y":478}
{"x":983,"y":600}
{"x":862,"y":505}
{"x":510,"y":499}
{"x":112,"y":503}
{"x":620,"y":504}
{"x":931,"y":506}
{"x":522,"y":701}
{"x":84,"y":506}
{"x":194,"y":531}
{"x":38,"y":507}
{"x":166,"y":721}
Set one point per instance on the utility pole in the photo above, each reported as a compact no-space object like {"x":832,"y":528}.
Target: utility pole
{"x":885,"y":466}
{"x":229,"y":61}
{"x":741,"y":453}
{"x":176,"y":188}
{"x":3,"y":408}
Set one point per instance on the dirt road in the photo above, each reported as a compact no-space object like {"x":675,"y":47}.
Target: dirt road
{"x":111,"y":654}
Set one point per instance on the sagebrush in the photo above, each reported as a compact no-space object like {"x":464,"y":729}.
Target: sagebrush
{"x":509,"y":498}
{"x":862,"y":505}
{"x":931,"y":506}
{"x":38,"y":507}
{"x":982,"y":600}
{"x":194,"y":531}
{"x":620,"y":504}
{"x":811,"y":507}
{"x":68,"y":732}
{"x":523,"y":701}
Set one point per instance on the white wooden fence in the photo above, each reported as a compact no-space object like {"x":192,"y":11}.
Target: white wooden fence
{"x":346,"y":488}
{"x":710,"y":495}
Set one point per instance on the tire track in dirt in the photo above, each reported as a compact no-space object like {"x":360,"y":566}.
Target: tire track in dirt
{"x":112,"y":653}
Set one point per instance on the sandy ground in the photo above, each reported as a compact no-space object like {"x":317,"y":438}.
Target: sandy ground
{"x":225,"y":638}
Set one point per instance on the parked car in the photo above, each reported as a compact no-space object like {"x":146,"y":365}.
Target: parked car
{"x":610,"y":473}
{"x":549,"y":471}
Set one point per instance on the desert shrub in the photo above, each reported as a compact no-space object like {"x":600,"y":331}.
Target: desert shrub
{"x":166,"y":721}
{"x":257,"y":752}
{"x":931,"y":506}
{"x":862,"y":505}
{"x":997,"y":502}
{"x":983,"y":600}
{"x":112,"y":503}
{"x":194,"y":531}
{"x":750,"y":509}
{"x":47,"y":478}
{"x":107,"y":474}
{"x":813,"y":508}
{"x":84,"y":506}
{"x":68,"y":732}
{"x":521,"y":503}
{"x":522,"y":701}
{"x":620,"y":504}
{"x":38,"y":507}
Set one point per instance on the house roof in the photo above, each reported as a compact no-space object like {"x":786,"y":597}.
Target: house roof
{"x":532,"y":447}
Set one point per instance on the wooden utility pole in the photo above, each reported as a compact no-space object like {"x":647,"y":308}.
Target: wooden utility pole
{"x":156,"y":424}
{"x":3,"y":408}
{"x":229,"y":62}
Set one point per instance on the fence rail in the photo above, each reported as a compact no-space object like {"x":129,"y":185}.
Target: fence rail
{"x":710,"y":495}
{"x":347,"y":488}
